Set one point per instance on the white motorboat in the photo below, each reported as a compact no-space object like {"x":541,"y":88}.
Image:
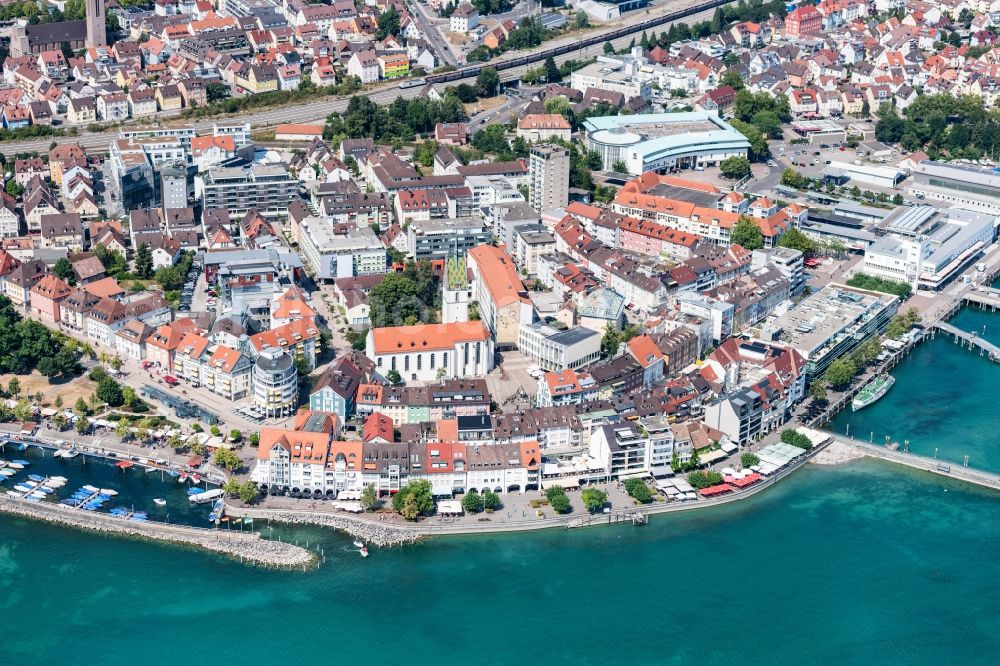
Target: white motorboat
{"x":359,"y":544}
{"x":363,"y":551}
{"x":109,"y":492}
{"x":160,"y":502}
{"x":91,"y":489}
{"x":71,"y":453}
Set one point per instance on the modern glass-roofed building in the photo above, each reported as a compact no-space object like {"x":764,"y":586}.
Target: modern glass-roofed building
{"x":663,"y":141}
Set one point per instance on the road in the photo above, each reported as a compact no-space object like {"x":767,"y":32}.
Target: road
{"x":316,"y":112}
{"x":437,"y":39}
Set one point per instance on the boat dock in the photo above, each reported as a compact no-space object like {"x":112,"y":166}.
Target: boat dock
{"x":609,"y":518}
{"x":964,"y":338}
{"x":971,"y":475}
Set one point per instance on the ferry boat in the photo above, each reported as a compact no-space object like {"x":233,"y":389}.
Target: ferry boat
{"x":872,"y":391}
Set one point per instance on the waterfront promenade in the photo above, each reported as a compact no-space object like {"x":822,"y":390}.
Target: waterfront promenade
{"x":392,"y":530}
{"x":934,"y":466}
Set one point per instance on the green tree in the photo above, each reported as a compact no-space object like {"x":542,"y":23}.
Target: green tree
{"x":129,"y":397}
{"x":216,"y":92}
{"x":487,"y":82}
{"x":144,"y":262}
{"x":552,"y":73}
{"x":64,"y":269}
{"x":638,"y":490}
{"x":393,"y":376}
{"x":491,"y":501}
{"x":227,"y":459}
{"x":388,"y":24}
{"x":254,"y":438}
{"x":23,"y":411}
{"x":593,"y":499}
{"x":747,"y":234}
{"x":609,"y":48}
{"x":80,"y":407}
{"x":621,"y":166}
{"x":82,"y":425}
{"x":408,"y":508}
{"x":795,"y":438}
{"x":232,"y":487}
{"x":840,"y":373}
{"x":13,"y":387}
{"x":796,"y":240}
{"x":733,"y":79}
{"x":122,"y":427}
{"x":417,"y":493}
{"x":472,"y":502}
{"x":749,"y":460}
{"x":248,"y":492}
{"x":817,"y":391}
{"x":704,"y":478}
{"x":110,"y":392}
{"x":558,"y":500}
{"x":735,"y":167}
{"x":175,"y":443}
{"x":369,"y":498}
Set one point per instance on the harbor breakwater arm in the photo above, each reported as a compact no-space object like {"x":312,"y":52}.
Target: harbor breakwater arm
{"x":248,"y":547}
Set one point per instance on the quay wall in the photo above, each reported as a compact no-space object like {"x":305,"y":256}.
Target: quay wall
{"x":248,"y":547}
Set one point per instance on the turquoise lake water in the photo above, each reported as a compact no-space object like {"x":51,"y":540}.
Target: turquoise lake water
{"x":860,"y":563}
{"x":944,"y":398}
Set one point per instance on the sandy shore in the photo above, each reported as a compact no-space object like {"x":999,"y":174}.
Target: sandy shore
{"x":836,"y":454}
{"x":247,"y":546}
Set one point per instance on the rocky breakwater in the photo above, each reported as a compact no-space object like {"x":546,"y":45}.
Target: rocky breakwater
{"x":247,"y":547}
{"x":371,"y":532}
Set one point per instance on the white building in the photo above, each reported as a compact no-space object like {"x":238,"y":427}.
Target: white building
{"x":275,"y":383}
{"x":426,"y":352}
{"x":464,"y":18}
{"x":558,"y":350}
{"x":330,"y":255}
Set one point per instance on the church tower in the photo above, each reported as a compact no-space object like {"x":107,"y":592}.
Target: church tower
{"x":96,"y":31}
{"x":456,"y":291}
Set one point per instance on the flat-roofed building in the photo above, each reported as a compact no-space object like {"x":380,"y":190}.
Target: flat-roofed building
{"x":968,"y":187}
{"x":267,"y":188}
{"x":927,"y":246}
{"x":438,"y":239}
{"x":831,"y":323}
{"x":557,"y":350}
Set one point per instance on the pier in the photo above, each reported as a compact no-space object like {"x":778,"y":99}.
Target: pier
{"x":971,"y":339}
{"x":971,"y":475}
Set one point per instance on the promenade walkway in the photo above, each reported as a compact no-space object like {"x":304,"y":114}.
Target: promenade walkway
{"x":968,"y":474}
{"x":971,"y":339}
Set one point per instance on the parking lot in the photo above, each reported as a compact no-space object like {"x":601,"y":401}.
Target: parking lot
{"x":193,"y":294}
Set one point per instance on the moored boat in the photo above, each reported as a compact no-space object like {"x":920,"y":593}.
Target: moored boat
{"x":160,"y":502}
{"x":364,"y":551}
{"x":872,"y":391}
{"x":71,"y":453}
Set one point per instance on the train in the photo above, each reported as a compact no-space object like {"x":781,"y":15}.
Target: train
{"x":539,"y":56}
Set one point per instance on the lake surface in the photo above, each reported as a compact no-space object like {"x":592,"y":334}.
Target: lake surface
{"x":861,"y":563}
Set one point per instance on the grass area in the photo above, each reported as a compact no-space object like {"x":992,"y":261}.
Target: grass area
{"x":156,"y":420}
{"x":78,"y":387}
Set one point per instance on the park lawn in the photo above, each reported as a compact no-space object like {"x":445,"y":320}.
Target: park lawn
{"x":79,"y":387}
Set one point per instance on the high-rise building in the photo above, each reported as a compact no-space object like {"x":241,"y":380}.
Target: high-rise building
{"x":96,"y":31}
{"x":548,"y":174}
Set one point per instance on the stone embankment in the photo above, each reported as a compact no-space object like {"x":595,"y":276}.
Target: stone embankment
{"x":372,"y":533}
{"x":247,"y":546}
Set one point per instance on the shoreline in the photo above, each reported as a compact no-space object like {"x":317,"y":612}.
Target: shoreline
{"x":391,"y":534}
{"x":247,"y":547}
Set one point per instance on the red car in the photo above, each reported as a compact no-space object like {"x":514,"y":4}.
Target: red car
{"x":170,"y":380}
